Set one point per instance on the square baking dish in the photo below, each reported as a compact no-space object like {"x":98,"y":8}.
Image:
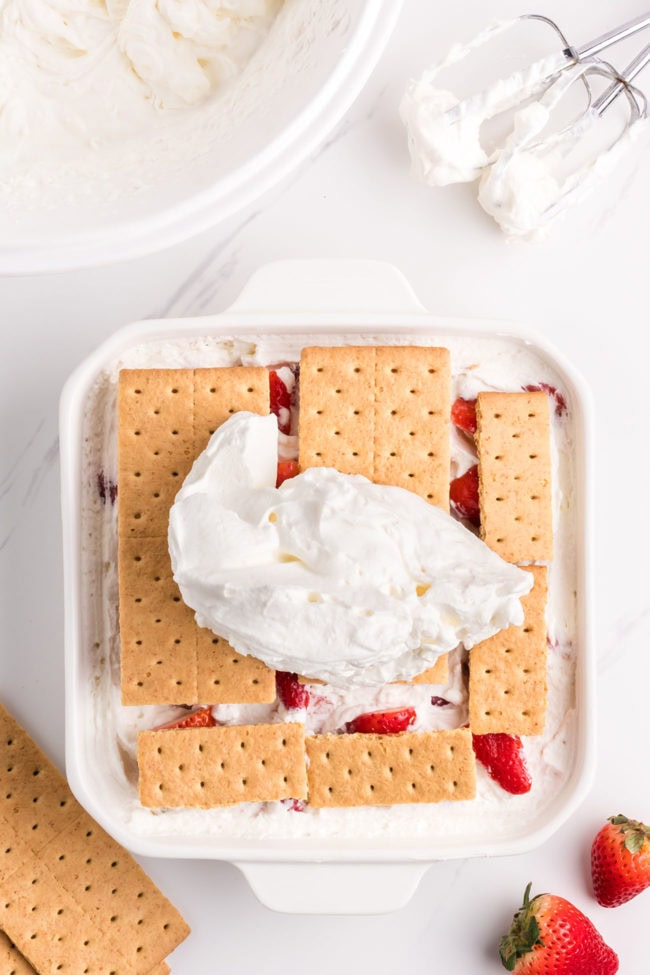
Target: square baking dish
{"x":353,"y":866}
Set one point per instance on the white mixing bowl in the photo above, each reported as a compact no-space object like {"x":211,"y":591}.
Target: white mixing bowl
{"x":315,"y":61}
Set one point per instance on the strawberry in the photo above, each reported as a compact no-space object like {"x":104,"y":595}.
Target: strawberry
{"x":291,"y":692}
{"x":463,"y":415}
{"x":382,"y":722}
{"x":106,"y":488}
{"x":553,"y":392}
{"x":503,"y":757}
{"x":294,"y":805}
{"x":286,"y":469}
{"x":280,"y":401}
{"x":203,"y":718}
{"x":463,"y":494}
{"x":620,"y":861}
{"x":549,"y":936}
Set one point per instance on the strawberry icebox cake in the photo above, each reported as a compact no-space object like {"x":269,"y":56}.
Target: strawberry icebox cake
{"x":330,"y":586}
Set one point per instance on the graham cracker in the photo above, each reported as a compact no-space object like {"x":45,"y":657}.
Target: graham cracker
{"x":11,"y":960}
{"x":380,"y":770}
{"x":166,"y":417}
{"x":207,"y":767}
{"x":36,"y":804}
{"x":507,"y":672}
{"x":51,"y":930}
{"x":114,"y":890}
{"x":380,"y":411}
{"x":72,"y":900}
{"x":514,"y":463}
{"x":438,"y":674}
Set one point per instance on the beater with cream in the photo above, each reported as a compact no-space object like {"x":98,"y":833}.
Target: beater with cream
{"x":522,"y":185}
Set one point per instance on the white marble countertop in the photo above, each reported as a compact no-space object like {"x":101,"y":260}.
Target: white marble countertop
{"x":586,"y":289}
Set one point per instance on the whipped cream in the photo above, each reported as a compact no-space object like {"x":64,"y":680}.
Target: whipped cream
{"x":444,"y":133}
{"x":530,"y":185}
{"x":81,"y":74}
{"x":524,"y":185}
{"x":329,"y":575}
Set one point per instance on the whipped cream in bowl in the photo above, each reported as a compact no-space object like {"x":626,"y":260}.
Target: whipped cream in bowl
{"x":128,"y":125}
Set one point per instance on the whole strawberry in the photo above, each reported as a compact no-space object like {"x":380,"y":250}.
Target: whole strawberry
{"x":549,"y":936}
{"x":620,"y":861}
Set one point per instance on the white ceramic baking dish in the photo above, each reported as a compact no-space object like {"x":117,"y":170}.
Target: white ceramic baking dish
{"x":358,"y":875}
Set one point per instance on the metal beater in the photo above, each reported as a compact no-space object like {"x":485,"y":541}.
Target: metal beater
{"x":448,"y":129}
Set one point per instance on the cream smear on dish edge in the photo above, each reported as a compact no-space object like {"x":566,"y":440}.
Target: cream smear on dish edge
{"x":477,"y":363}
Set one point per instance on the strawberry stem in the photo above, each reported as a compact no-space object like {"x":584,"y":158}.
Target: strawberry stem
{"x":524,"y":934}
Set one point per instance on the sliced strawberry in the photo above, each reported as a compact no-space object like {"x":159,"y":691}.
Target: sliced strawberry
{"x":286,"y":470}
{"x":463,"y":415}
{"x":553,"y":392}
{"x":382,"y":722}
{"x":203,"y":718}
{"x":463,"y":494}
{"x":294,"y":805}
{"x":280,"y":401}
{"x":503,"y":757}
{"x":291,"y":692}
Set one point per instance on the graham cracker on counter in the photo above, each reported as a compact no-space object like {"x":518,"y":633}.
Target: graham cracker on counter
{"x":507,"y":672}
{"x":223,"y":765}
{"x":71,"y":898}
{"x":166,"y":417}
{"x":513,"y":442}
{"x":378,"y":770}
{"x":380,"y":411}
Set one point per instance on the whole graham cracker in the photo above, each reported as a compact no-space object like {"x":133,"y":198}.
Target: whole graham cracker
{"x":166,"y":417}
{"x":514,"y":463}
{"x":380,"y":411}
{"x":377,"y":770}
{"x":72,"y":898}
{"x":507,"y":672}
{"x":207,"y":767}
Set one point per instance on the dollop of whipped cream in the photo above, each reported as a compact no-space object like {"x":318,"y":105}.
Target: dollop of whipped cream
{"x":444,"y":148}
{"x":329,"y":575}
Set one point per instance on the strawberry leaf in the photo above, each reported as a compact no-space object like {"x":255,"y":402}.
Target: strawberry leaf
{"x":533,"y":932}
{"x":619,"y":820}
{"x":633,"y":842}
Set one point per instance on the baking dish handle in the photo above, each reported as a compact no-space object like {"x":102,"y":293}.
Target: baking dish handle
{"x":333,"y":888}
{"x":311,"y":286}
